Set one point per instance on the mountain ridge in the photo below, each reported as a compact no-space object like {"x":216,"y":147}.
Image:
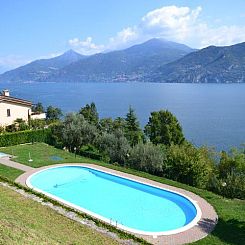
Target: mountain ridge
{"x":41,"y":68}
{"x":155,"y":60}
{"x":209,"y":65}
{"x":120,"y":65}
{"x":123,"y":65}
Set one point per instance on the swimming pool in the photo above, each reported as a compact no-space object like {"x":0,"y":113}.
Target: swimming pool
{"x":128,"y":204}
{"x":3,"y":154}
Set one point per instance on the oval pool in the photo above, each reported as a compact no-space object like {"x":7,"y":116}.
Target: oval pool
{"x":128,"y":204}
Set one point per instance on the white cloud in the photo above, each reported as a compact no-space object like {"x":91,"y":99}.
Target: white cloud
{"x":123,"y":38}
{"x":85,"y":46}
{"x":180,"y":24}
{"x":221,"y":36}
{"x":171,"y":22}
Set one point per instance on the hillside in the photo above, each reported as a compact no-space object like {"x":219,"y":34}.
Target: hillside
{"x":40,"y":69}
{"x":130,"y":64}
{"x":124,"y":65}
{"x":208,"y":65}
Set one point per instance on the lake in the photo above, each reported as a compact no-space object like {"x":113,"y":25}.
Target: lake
{"x":211,"y":114}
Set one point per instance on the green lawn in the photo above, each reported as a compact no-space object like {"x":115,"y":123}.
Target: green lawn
{"x":41,"y":154}
{"x":24,"y":221}
{"x":10,"y":173}
{"x":231,"y":225}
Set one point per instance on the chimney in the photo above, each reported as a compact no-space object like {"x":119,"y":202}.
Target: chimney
{"x":5,"y":93}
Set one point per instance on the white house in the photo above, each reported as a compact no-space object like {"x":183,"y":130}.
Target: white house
{"x":12,"y":108}
{"x":36,"y":115}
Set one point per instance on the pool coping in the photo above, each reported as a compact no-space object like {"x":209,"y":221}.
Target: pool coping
{"x":204,"y":222}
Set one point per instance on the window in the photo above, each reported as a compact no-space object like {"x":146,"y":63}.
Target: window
{"x":8,"y":113}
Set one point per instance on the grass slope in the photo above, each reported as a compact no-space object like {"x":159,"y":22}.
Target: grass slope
{"x":24,"y":221}
{"x":229,"y":230}
{"x":41,"y":154}
{"x":10,"y":173}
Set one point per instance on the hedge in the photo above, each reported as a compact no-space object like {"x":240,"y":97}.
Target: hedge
{"x":91,"y":154}
{"x":28,"y":136}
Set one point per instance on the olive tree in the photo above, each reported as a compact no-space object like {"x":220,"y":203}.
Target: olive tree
{"x":115,"y":145}
{"x":77,"y":131}
{"x":147,"y":157}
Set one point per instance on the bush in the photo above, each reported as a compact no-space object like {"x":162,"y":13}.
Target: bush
{"x":232,"y":186}
{"x":91,"y":152}
{"x":189,"y":165}
{"x":21,"y":137}
{"x":230,"y":178}
{"x":2,"y":129}
{"x":11,"y":128}
{"x":37,"y":123}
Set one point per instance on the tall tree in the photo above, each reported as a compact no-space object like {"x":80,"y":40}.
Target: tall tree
{"x":109,"y":125}
{"x":106,"y":125}
{"x":38,"y":108}
{"x":90,"y":113}
{"x":53,"y":113}
{"x":164,"y":128}
{"x":133,"y":131}
{"x":119,"y":124}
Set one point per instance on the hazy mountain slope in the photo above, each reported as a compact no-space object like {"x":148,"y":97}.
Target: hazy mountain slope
{"x":123,"y":65}
{"x":40,"y":69}
{"x":209,"y":65}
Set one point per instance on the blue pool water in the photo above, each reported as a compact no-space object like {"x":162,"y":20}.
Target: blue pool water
{"x":129,"y":203}
{"x":3,"y":154}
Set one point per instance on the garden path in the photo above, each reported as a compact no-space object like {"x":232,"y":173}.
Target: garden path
{"x":8,"y":162}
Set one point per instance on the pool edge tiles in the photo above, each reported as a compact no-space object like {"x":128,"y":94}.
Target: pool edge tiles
{"x":109,"y":221}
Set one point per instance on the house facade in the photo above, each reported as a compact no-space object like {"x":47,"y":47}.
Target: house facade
{"x":13,"y":108}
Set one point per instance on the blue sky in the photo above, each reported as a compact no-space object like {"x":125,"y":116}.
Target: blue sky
{"x":41,"y":29}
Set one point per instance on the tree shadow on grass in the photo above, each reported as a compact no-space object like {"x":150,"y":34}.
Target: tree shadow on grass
{"x":231,"y":231}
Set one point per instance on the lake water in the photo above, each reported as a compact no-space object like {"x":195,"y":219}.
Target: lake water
{"x":211,"y":114}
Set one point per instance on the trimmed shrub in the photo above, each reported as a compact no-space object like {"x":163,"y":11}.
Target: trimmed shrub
{"x":91,"y":152}
{"x":28,"y":136}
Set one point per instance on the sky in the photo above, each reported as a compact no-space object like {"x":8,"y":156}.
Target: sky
{"x":37,"y":29}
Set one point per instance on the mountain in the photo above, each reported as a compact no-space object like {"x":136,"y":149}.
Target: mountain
{"x":130,"y":64}
{"x":40,"y":69}
{"x":208,"y":65}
